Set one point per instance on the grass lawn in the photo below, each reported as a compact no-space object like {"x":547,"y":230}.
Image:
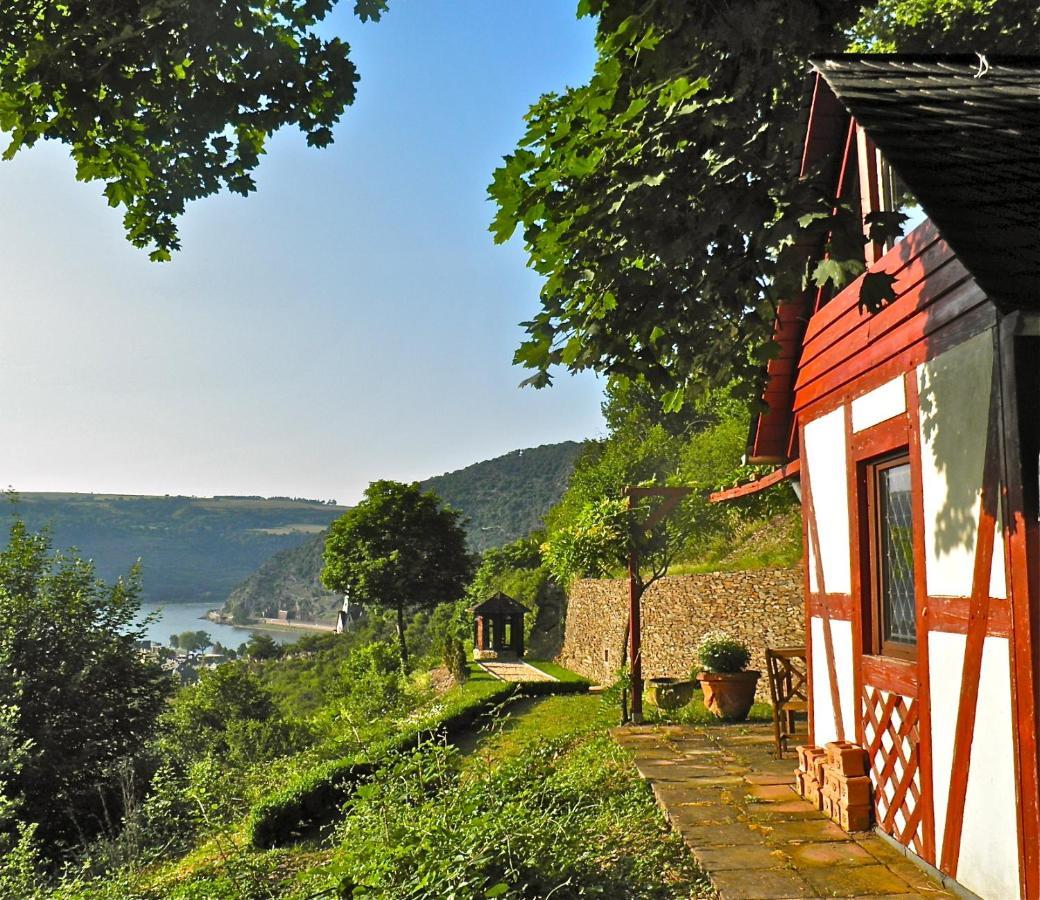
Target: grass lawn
{"x":696,"y":713}
{"x":529,"y":722}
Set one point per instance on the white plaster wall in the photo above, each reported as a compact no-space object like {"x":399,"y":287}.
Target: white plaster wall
{"x":825,"y":460}
{"x":824,"y":724}
{"x":945,"y":665}
{"x":880,"y":404}
{"x":954,"y":389}
{"x":998,"y":577}
{"x":988,"y":862}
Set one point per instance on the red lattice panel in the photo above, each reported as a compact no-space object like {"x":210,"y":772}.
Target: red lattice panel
{"x":893,"y":742}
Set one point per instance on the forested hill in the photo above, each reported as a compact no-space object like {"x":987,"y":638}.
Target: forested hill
{"x":506,"y":497}
{"x":192,"y":549}
{"x":502,"y":499}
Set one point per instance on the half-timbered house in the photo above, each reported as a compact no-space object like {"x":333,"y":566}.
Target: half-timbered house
{"x":913,"y":434}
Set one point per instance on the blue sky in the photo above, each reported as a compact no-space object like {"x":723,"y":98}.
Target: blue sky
{"x":350,"y":321}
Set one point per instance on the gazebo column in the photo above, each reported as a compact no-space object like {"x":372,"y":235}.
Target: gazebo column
{"x":479,"y":636}
{"x":500,"y":632}
{"x":518,"y":635}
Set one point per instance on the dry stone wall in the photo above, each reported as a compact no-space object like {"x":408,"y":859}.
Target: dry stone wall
{"x":762,"y":608}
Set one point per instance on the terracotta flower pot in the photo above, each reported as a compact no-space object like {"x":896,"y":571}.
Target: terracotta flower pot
{"x":729,"y":695}
{"x":672,"y":693}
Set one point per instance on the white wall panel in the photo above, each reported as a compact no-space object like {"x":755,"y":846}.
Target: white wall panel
{"x":954,"y":391}
{"x":824,"y":724}
{"x":945,"y":665}
{"x":824,"y":455}
{"x":989,"y":841}
{"x":880,"y":404}
{"x":998,"y":577}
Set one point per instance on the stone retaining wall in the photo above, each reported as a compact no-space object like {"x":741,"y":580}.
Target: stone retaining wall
{"x":762,"y":608}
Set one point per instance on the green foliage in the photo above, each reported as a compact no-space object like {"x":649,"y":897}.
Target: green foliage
{"x":228,"y":715}
{"x":718,"y":652}
{"x":593,"y":544}
{"x":190,"y":641}
{"x":263,"y":646}
{"x":518,"y":571}
{"x":654,"y":199}
{"x":398,"y":549}
{"x":700,"y":447}
{"x":506,"y":498}
{"x":660,"y":201}
{"x":21,"y":861}
{"x":193,"y":549}
{"x":501,"y":499}
{"x":168,"y":102}
{"x":922,"y":26}
{"x":565,"y":818}
{"x":76,"y":695}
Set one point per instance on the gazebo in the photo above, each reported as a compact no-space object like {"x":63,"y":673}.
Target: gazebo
{"x":498,"y":628}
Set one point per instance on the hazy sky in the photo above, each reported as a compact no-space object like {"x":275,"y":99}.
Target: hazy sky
{"x":351,"y":320}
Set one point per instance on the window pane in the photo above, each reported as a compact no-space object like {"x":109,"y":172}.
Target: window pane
{"x":897,"y":555}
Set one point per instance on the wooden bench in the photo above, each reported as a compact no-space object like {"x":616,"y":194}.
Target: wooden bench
{"x":788,"y":690}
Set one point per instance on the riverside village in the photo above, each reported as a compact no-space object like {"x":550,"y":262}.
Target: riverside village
{"x":753,"y":614}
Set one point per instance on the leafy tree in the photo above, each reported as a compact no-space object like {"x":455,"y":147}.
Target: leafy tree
{"x":659,"y":200}
{"x":398,"y":549}
{"x":190,"y":641}
{"x":205,"y":718}
{"x":166,"y":101}
{"x":78,"y":696}
{"x":261,"y":646}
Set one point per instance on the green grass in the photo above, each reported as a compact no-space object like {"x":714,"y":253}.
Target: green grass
{"x":530,"y":722}
{"x":696,"y":713}
{"x":557,"y":672}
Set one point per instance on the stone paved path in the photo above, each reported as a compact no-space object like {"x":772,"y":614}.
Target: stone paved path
{"x":736,"y":808}
{"x":515,"y":670}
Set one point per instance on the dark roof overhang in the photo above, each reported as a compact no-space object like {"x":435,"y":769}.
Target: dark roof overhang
{"x":963,"y":132}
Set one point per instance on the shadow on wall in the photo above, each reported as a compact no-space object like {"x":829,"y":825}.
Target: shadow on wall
{"x":955,"y":390}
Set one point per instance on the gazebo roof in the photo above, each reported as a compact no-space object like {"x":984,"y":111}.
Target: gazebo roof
{"x":498,"y":604}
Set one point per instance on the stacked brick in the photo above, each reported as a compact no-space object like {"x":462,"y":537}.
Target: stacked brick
{"x":834,"y":779}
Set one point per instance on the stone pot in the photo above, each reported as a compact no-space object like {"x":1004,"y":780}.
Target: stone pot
{"x":729,"y":695}
{"x":672,"y":693}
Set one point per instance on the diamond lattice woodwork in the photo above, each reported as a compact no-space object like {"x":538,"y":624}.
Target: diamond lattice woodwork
{"x":892,"y":738}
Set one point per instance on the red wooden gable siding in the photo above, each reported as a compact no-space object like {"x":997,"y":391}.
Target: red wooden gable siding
{"x":772,"y":434}
{"x":842,"y":342}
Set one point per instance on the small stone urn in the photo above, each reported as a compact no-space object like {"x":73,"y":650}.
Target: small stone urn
{"x":672,"y":693}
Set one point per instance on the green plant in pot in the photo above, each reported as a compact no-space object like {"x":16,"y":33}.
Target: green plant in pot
{"x":729,"y":688}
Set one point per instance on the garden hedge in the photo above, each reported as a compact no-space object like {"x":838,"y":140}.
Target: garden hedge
{"x":315,"y":797}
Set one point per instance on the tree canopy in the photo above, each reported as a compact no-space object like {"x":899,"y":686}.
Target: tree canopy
{"x":76,"y":696}
{"x":167,"y":101}
{"x":660,"y":201}
{"x":398,"y":549}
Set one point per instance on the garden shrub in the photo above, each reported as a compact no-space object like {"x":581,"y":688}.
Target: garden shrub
{"x":718,"y":652}
{"x":315,"y":797}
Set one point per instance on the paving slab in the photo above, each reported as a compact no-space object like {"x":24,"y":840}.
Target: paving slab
{"x":735,"y":807}
{"x":514,"y":671}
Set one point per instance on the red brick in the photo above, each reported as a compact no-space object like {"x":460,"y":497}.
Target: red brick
{"x":852,"y":817}
{"x":856,"y":791}
{"x":848,"y":758}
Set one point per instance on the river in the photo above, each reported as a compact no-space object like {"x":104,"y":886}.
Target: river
{"x":174,"y":618}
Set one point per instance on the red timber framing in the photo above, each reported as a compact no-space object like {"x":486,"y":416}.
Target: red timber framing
{"x":1013,"y":445}
{"x":1018,"y":345}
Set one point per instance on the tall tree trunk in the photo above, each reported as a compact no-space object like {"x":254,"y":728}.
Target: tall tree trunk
{"x":402,"y":646}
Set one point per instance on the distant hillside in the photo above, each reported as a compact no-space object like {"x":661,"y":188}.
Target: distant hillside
{"x":506,"y":497}
{"x":192,"y":549}
{"x":503,"y":499}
